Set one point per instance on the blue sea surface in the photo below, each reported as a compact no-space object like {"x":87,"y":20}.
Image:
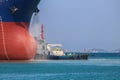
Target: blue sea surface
{"x":91,"y":69}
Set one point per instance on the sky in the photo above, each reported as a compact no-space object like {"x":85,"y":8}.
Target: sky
{"x":81,"y":24}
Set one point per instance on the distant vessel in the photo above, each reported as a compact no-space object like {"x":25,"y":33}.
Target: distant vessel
{"x":15,"y":41}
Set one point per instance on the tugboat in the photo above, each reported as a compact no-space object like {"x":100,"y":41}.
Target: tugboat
{"x":47,"y":51}
{"x":58,"y":53}
{"x":15,"y":41}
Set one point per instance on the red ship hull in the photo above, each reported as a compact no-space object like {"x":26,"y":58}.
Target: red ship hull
{"x":15,"y":41}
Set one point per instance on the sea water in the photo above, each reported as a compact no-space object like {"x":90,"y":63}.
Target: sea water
{"x":91,"y":69}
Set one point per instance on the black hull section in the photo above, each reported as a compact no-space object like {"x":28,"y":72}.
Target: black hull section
{"x":52,"y":57}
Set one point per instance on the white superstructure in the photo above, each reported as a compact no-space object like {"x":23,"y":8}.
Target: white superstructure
{"x":55,"y":49}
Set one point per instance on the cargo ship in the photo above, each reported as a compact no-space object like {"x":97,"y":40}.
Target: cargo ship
{"x":15,"y":41}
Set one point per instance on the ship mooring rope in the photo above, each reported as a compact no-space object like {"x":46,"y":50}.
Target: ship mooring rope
{"x":3,"y":37}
